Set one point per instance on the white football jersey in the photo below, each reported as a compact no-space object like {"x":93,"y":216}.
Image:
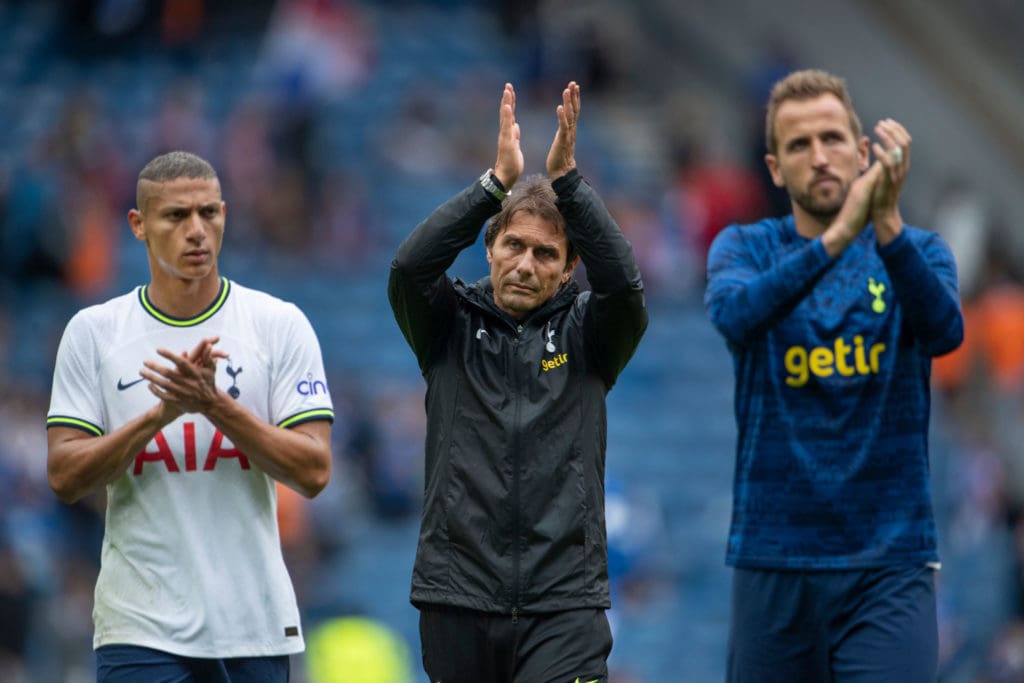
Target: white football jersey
{"x":191,"y":561}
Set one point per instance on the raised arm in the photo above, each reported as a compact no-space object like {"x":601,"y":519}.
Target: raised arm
{"x":420,"y":294}
{"x":616,"y":315}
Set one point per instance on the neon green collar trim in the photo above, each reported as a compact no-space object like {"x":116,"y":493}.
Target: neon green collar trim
{"x":218,"y":302}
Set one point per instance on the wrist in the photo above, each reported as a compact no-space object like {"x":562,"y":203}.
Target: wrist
{"x":493,"y":185}
{"x":888,"y":226}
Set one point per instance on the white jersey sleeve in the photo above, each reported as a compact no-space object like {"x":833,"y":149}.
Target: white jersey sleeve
{"x":299,"y":390}
{"x":76,"y":400}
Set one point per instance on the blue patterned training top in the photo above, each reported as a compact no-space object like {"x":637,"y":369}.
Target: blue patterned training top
{"x":832,"y":361}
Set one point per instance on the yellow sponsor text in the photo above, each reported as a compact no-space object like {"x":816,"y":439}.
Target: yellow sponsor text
{"x":556,"y":361}
{"x":841,"y":358}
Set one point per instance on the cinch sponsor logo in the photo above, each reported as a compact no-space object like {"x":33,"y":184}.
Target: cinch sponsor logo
{"x":560,"y":359}
{"x":311,"y":387}
{"x":842,"y":359}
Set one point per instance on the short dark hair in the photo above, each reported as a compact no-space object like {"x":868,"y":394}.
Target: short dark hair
{"x":806,"y":85}
{"x":171,"y":166}
{"x":533,"y":195}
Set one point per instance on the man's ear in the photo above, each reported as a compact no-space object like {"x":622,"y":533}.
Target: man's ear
{"x":136,"y":224}
{"x":488,"y":254}
{"x":864,"y":153}
{"x":772,"y":162}
{"x":569,"y":268}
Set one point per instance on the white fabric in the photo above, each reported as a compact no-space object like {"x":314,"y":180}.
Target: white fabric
{"x":191,"y":561}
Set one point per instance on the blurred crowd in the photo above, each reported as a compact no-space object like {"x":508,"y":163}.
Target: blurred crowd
{"x":331,"y":141}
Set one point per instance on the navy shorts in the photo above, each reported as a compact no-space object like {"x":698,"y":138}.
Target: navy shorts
{"x":134,"y":664}
{"x":466,"y":646}
{"x":856,"y":626}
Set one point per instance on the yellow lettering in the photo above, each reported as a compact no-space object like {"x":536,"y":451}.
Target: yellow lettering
{"x":821,"y":361}
{"x":876,"y":351}
{"x":796,"y":364}
{"x":560,"y":359}
{"x":858,"y":354}
{"x":842,"y":350}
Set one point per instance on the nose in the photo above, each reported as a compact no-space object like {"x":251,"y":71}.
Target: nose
{"x":526,"y":263}
{"x":194,"y":229}
{"x":818,"y":157}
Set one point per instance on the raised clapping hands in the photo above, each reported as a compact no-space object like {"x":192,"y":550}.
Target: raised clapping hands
{"x":874,"y":196}
{"x":509,"y":164}
{"x":188,"y":386}
{"x":561,"y":156}
{"x":892,"y":153}
{"x":561,"y":159}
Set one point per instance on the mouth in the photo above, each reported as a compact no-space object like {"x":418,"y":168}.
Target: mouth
{"x":197,"y":256}
{"x":824,"y":180}
{"x":518,"y":287}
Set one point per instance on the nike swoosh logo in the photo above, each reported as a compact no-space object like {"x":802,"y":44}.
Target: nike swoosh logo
{"x":121,"y":386}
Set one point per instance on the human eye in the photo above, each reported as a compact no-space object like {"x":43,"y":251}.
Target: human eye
{"x":797,"y":145}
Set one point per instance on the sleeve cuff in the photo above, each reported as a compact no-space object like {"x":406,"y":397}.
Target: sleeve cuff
{"x":566,"y":184}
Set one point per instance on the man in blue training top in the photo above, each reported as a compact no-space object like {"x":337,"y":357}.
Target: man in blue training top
{"x":832,"y":315}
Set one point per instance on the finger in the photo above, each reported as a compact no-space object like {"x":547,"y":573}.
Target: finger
{"x":569,"y":106}
{"x":201,"y":353}
{"x":894,"y":135}
{"x":180,"y":360}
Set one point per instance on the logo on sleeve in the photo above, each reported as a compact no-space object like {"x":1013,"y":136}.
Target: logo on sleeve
{"x":311,"y":387}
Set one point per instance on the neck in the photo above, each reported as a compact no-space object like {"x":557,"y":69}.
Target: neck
{"x":809,"y":225}
{"x":183,"y":298}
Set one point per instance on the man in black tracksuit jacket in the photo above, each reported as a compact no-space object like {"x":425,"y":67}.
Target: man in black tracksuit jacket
{"x":511,"y":572}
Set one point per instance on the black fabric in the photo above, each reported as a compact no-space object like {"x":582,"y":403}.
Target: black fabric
{"x":466,"y":646}
{"x":513,"y":513}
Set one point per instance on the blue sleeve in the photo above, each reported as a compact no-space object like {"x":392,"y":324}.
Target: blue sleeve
{"x":925,"y":284}
{"x":743,"y":296}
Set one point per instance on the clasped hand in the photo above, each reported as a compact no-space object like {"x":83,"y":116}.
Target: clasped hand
{"x":187,"y":385}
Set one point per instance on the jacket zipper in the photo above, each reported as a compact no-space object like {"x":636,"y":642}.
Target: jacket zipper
{"x":515,"y":478}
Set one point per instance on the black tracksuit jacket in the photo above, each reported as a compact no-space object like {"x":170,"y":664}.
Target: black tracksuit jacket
{"x":513,"y":518}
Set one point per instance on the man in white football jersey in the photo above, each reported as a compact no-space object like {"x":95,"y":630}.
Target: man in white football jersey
{"x":192,"y":584}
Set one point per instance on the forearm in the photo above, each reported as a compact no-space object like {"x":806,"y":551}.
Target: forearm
{"x":926,"y":289}
{"x":741,"y":300}
{"x":78,"y":464}
{"x":435,"y":243}
{"x":297,"y":457}
{"x":603,"y":248}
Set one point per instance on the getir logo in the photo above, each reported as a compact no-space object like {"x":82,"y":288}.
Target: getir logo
{"x":822,"y":361}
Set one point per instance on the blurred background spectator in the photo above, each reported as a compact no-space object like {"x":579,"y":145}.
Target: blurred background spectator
{"x":339,"y":124}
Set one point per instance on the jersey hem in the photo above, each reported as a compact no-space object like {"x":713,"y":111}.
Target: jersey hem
{"x":246,"y":650}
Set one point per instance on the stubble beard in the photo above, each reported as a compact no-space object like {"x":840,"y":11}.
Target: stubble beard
{"x":822,"y":209}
